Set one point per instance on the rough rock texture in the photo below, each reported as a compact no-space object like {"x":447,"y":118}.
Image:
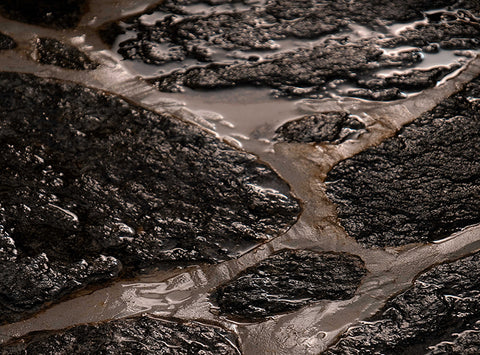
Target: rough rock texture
{"x":49,"y":13}
{"x":86,"y":174}
{"x":288,"y":281}
{"x":142,"y":335}
{"x":299,"y":73}
{"x":328,"y":127}
{"x":460,"y":30}
{"x":419,"y":186}
{"x":245,"y":42}
{"x":426,"y":318}
{"x":6,"y":42}
{"x":51,"y":51}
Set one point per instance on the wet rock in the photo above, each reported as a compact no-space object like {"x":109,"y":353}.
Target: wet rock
{"x":419,"y":186}
{"x":287,"y":72}
{"x":86,"y":174}
{"x":53,"y":52}
{"x":451,"y":30}
{"x":226,"y":32}
{"x":377,"y":95}
{"x":414,"y":80}
{"x":28,"y":283}
{"x":328,"y":127}
{"x":6,"y":42}
{"x":49,"y":13}
{"x":426,"y":318}
{"x":141,"y":335}
{"x":288,"y":281}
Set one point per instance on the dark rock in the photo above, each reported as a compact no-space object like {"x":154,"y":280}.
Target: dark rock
{"x":288,"y":281}
{"x":141,"y":335}
{"x":442,"y":302}
{"x":377,"y":95}
{"x":422,"y":185}
{"x":49,"y":13}
{"x":227,"y":36}
{"x":6,"y":42}
{"x":86,"y":174}
{"x":291,"y":71}
{"x":413,"y":80}
{"x":51,"y":51}
{"x":329,"y":127}
{"x":452,"y":31}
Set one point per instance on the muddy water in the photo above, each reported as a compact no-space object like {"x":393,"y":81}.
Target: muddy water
{"x":247,"y":118}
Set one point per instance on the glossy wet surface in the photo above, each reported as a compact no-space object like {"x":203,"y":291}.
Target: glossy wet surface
{"x":414,"y":65}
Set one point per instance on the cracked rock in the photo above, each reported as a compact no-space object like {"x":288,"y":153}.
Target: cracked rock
{"x":140,"y":335}
{"x":288,"y":281}
{"x":419,"y":186}
{"x":439,"y":314}
{"x":86,"y":174}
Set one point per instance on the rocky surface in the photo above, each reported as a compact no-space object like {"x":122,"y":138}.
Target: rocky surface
{"x":86,"y":174}
{"x":419,"y":186}
{"x":53,"y":52}
{"x":287,"y":281}
{"x":439,"y":314}
{"x":6,"y":42}
{"x":50,"y":13}
{"x":245,"y":42}
{"x":141,"y":335}
{"x":328,"y":127}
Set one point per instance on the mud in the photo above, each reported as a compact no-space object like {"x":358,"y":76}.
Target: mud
{"x":288,"y":281}
{"x":419,"y":186}
{"x":86,"y":174}
{"x":129,"y":336}
{"x":441,"y":307}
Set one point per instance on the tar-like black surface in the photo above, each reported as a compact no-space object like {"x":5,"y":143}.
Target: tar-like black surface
{"x":328,"y":127}
{"x":439,"y":314}
{"x":225,"y":36}
{"x":86,"y":174}
{"x":421,"y":185}
{"x":50,"y":13}
{"x":53,"y":52}
{"x":141,"y":335}
{"x":289,"y":280}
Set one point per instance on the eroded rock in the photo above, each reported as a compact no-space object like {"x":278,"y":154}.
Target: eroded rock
{"x":426,"y":318}
{"x":419,"y":186}
{"x":53,"y":52}
{"x":49,"y":13}
{"x":328,"y":127}
{"x":86,"y":174}
{"x":141,"y":335}
{"x":289,"y":280}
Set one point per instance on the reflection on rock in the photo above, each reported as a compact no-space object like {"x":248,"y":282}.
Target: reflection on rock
{"x":419,"y":186}
{"x":142,"y":335}
{"x":49,"y":13}
{"x":288,"y":281}
{"x":329,"y":127}
{"x":86,"y":174}
{"x":442,"y":302}
{"x":257,"y":44}
{"x":51,"y":51}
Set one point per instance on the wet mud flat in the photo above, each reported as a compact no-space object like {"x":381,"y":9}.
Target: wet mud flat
{"x":356,"y":231}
